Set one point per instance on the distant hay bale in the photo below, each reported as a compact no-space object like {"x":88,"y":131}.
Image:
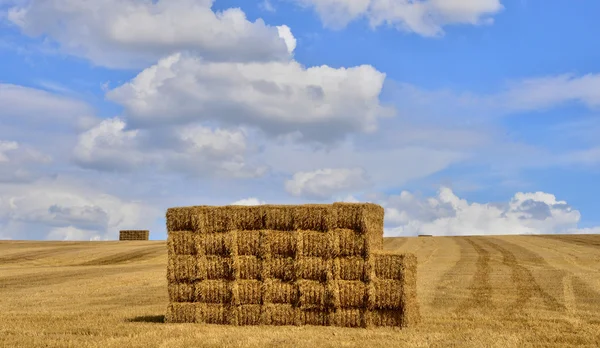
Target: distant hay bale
{"x":287,"y":265}
{"x":134,"y":235}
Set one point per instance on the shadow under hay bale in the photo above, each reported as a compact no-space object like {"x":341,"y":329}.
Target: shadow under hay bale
{"x":134,"y":235}
{"x":148,"y":319}
{"x":287,"y":265}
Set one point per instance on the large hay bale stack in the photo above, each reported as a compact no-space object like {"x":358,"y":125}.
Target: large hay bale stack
{"x":134,"y":235}
{"x":287,"y":265}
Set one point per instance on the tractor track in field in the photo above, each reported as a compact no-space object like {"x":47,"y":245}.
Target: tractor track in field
{"x":523,"y":278}
{"x":34,"y":255}
{"x":481,"y":289}
{"x":445,"y":293}
{"x":126,"y":256}
{"x":589,"y":241}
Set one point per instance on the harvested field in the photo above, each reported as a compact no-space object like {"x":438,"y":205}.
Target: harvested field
{"x":506,"y":291}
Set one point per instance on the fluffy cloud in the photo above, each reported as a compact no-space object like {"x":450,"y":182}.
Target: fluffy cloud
{"x":424,"y":17}
{"x":249,"y":201}
{"x":447,"y":214}
{"x":320,"y":103}
{"x":134,"y":33}
{"x":324,"y":183}
{"x":19,"y":163}
{"x":63,"y":208}
{"x":192,"y":151}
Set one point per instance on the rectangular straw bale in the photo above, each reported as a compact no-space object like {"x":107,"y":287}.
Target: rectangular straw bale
{"x":282,"y":292}
{"x":250,"y":267}
{"x":313,"y":317}
{"x":278,"y":314}
{"x":393,"y":266}
{"x":282,"y":268}
{"x":211,"y":313}
{"x":312,"y":268}
{"x":364,"y":218}
{"x":212,"y":291}
{"x":246,"y":218}
{"x":350,"y":242}
{"x":218,"y":244}
{"x":352,"y":294}
{"x":248,"y":242}
{"x":212,"y":219}
{"x":183,"y":218}
{"x":279,"y":217}
{"x":388,"y":294}
{"x":351,"y":268}
{"x":181,"y":243}
{"x":282,"y":243}
{"x":249,"y":292}
{"x":134,"y":235}
{"x":181,"y":292}
{"x":181,"y":312}
{"x":320,"y":244}
{"x":218,"y":267}
{"x":386,"y":317}
{"x":346,"y":317}
{"x":181,"y":268}
{"x":245,"y":315}
{"x":312,"y":295}
{"x":313,"y":217}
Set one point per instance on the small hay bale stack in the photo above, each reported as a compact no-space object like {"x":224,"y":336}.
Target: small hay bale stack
{"x":134,"y":235}
{"x":287,"y":265}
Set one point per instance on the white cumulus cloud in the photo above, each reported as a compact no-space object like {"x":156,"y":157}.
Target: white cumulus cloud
{"x":320,"y":103}
{"x":324,"y":183}
{"x":135,"y":33}
{"x":424,"y":17}
{"x":447,"y":214}
{"x":249,"y":201}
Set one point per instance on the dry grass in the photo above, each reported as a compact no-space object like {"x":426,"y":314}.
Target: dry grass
{"x":519,"y":291}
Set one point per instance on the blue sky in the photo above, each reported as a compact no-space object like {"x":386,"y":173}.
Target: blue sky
{"x":458,"y":118}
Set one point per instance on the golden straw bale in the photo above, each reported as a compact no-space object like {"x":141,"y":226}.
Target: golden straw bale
{"x":134,"y":235}
{"x":218,"y":267}
{"x":320,"y":244}
{"x":250,"y":267}
{"x":182,"y":218}
{"x":351,"y":268}
{"x":181,"y":268}
{"x":388,"y":294}
{"x":352,"y":294}
{"x":346,"y":318}
{"x":312,"y":295}
{"x":245,"y":315}
{"x":350,"y":242}
{"x":386,"y":317}
{"x":279,"y":218}
{"x":282,"y":243}
{"x":282,"y":268}
{"x":248,"y":242}
{"x":364,"y":218}
{"x":246,"y":218}
{"x":278,"y":314}
{"x":313,"y":217}
{"x":181,"y":312}
{"x":212,"y":291}
{"x":393,"y":266}
{"x":211,"y":313}
{"x":181,"y":292}
{"x":313,"y":317}
{"x":312,"y":268}
{"x":249,"y":292}
{"x":278,"y":291}
{"x":181,"y":243}
{"x":217,"y":244}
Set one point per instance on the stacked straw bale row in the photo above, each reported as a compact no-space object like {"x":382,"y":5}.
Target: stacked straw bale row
{"x":134,"y":235}
{"x":287,"y":265}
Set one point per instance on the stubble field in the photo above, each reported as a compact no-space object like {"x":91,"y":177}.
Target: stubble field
{"x":506,"y":291}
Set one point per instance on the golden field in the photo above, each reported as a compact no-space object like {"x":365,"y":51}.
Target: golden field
{"x":506,"y":291}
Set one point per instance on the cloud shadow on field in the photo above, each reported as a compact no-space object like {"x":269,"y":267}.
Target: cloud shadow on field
{"x":148,"y":319}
